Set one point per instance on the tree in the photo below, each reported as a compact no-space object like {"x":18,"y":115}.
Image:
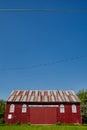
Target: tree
{"x":2,"y":111}
{"x":82,"y":94}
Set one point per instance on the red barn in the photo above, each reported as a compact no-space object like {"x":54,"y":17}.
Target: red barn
{"x":43,"y":107}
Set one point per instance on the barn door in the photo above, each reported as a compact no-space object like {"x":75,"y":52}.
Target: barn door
{"x":40,"y":115}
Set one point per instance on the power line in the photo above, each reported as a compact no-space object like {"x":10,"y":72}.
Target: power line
{"x":43,"y":65}
{"x":42,"y":10}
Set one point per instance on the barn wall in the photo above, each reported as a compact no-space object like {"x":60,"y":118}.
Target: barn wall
{"x":17,"y":116}
{"x":68,"y":116}
{"x":40,"y":115}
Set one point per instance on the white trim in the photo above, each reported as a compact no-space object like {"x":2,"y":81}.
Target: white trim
{"x":62,"y":109}
{"x":74,"y":109}
{"x":24,"y":108}
{"x":43,"y":105}
{"x":12,"y":108}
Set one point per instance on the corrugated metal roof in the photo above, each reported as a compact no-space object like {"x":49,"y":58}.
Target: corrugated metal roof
{"x":42,"y":96}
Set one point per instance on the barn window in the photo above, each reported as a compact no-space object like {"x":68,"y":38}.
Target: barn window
{"x":74,"y":110}
{"x":9,"y":116}
{"x":62,"y":110}
{"x":24,"y":108}
{"x":12,"y":108}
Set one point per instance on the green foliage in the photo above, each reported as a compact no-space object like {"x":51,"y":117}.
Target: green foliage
{"x":84,"y":113}
{"x":17,"y":123}
{"x":82,"y":94}
{"x":1,"y":120}
{"x":58,"y":123}
{"x":2,"y":111}
{"x":28,"y":123}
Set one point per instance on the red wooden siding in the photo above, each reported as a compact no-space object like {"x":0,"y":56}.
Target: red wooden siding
{"x":17,"y":116}
{"x":69,"y":117}
{"x":43,"y":115}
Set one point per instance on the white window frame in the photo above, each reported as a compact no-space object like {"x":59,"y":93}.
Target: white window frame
{"x":62,"y":108}
{"x":24,"y":108}
{"x":9,"y":116}
{"x":12,"y":108}
{"x":74,"y":109}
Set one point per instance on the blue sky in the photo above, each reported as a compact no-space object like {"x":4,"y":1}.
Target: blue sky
{"x":33,"y":38}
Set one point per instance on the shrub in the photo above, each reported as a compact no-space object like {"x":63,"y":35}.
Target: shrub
{"x":28,"y":123}
{"x":2,"y":120}
{"x":17,"y":123}
{"x":58,"y":123}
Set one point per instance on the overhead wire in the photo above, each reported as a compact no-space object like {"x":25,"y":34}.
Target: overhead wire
{"x":49,"y":63}
{"x":43,"y":64}
{"x":42,"y":10}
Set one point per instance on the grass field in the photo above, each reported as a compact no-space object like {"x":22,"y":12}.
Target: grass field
{"x":41,"y":127}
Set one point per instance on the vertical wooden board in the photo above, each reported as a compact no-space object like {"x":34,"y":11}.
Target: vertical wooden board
{"x":40,"y":115}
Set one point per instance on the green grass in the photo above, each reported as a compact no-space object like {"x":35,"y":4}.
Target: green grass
{"x":42,"y":127}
